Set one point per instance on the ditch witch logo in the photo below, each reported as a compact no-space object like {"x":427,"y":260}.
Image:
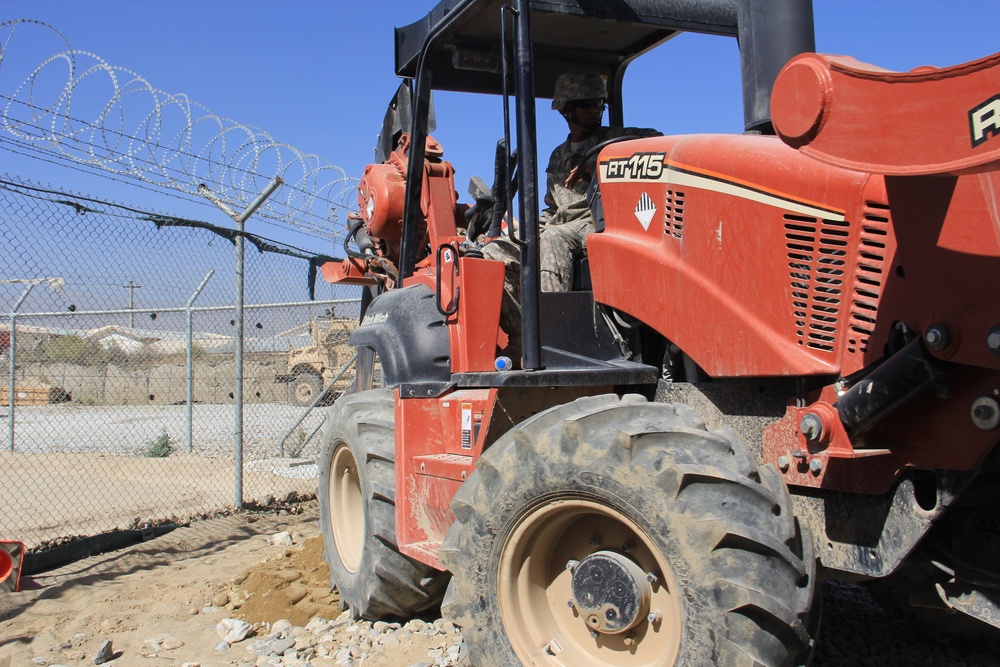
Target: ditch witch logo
{"x":984,"y":120}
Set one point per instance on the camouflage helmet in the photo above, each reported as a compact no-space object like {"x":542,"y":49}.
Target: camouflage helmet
{"x":578,"y":85}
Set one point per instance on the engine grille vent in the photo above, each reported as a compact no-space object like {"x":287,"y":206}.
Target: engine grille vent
{"x":817,"y":251}
{"x":673,"y":220}
{"x":869,"y":276}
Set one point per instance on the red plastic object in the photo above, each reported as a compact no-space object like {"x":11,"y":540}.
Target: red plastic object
{"x":11,"y":558}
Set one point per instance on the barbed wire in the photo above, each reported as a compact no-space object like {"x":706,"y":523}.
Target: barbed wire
{"x":155,"y":137}
{"x":30,"y":190}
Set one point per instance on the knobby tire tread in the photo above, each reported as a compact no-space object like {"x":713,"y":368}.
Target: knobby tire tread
{"x":387,"y":584}
{"x":755,"y":593}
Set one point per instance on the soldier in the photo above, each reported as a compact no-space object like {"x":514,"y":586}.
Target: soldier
{"x":580,"y":96}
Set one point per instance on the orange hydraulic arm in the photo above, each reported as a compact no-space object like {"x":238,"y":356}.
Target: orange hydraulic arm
{"x":922,"y":122}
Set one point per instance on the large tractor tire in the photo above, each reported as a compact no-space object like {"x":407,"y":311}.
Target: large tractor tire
{"x":357,"y":514}
{"x":611,"y":532}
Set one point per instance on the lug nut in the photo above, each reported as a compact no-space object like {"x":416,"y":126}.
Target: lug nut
{"x":629,"y":640}
{"x":651,"y":578}
{"x":816,"y":466}
{"x":654,"y":616}
{"x":571,"y":564}
{"x":936,"y":337}
{"x":784,"y":463}
{"x":595,"y":541}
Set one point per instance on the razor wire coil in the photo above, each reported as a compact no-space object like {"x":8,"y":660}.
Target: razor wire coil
{"x":158,"y":138}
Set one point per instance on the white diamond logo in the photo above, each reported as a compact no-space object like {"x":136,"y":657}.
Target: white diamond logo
{"x":645,"y":210}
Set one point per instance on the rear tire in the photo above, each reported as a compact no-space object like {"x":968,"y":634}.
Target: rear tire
{"x":607,"y":485}
{"x":357,"y":513}
{"x":304,"y":389}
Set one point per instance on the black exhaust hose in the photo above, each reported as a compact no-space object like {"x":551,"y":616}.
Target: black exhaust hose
{"x":898,"y":379}
{"x":356,"y":232}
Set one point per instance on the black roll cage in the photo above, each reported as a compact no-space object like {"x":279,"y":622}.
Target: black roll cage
{"x":458,"y":46}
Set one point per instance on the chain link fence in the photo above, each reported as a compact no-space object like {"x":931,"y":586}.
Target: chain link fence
{"x":119,"y":353}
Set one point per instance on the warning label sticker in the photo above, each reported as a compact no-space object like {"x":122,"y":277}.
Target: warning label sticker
{"x":466,"y":425}
{"x":645,"y":210}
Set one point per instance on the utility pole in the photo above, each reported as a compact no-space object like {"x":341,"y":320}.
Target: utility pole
{"x":131,"y":287}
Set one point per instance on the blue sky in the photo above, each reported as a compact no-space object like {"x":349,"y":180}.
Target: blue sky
{"x":318,"y":75}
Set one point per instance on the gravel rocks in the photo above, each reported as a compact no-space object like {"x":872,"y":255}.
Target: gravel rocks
{"x":104,"y":654}
{"x":343,"y":642}
{"x":233,"y":630}
{"x":856,"y":632}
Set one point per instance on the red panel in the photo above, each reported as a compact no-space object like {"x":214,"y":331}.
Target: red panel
{"x":474,"y":327}
{"x":947,"y":262}
{"x":437,"y":443}
{"x":713,"y":270}
{"x":928,"y":121}
{"x":757,"y":260}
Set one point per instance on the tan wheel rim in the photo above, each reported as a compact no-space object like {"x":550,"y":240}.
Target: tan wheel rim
{"x":303,"y":392}
{"x":347,"y":508}
{"x":534,"y":589}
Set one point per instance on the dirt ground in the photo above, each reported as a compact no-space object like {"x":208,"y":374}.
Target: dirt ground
{"x":159,"y":602}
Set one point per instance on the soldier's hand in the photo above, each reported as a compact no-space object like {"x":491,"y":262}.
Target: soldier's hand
{"x":577,"y":173}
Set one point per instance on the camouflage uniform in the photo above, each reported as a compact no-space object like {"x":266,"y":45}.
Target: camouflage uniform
{"x":566,"y":219}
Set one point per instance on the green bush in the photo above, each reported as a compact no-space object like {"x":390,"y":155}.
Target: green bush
{"x":160,"y":448}
{"x":69,"y":350}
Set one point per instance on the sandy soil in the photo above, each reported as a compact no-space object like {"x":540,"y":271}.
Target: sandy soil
{"x":174,"y":590}
{"x":159,"y":603}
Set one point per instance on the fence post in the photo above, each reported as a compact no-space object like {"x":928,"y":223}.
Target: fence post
{"x":190,"y":359}
{"x":240,"y":219}
{"x":13,"y":346}
{"x":320,"y":396}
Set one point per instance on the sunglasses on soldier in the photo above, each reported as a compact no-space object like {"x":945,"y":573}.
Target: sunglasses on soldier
{"x":589,"y":103}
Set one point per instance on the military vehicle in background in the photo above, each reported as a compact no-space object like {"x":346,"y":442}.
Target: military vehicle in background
{"x":312,"y":367}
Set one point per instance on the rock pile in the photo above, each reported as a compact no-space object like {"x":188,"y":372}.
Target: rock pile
{"x":343,"y":642}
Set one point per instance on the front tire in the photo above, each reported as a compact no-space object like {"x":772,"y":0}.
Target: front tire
{"x":611,"y":532}
{"x":357,"y":513}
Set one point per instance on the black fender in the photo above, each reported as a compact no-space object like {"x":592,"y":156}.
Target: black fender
{"x":409,"y":334}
